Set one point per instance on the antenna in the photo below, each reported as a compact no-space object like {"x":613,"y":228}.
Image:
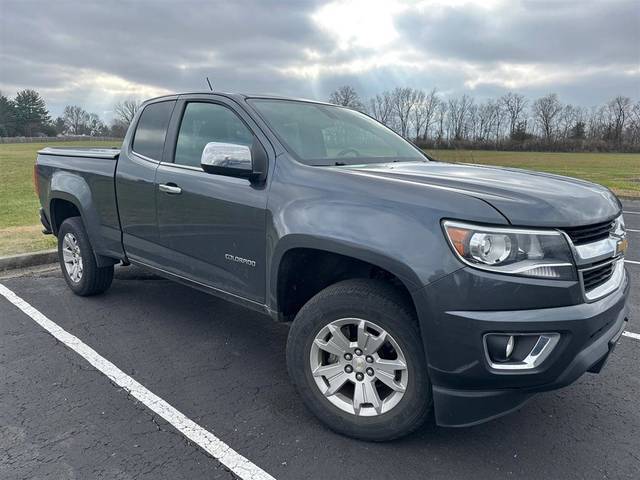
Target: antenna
{"x":209,"y":83}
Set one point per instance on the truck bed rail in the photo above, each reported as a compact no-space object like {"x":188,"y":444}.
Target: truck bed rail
{"x":106,"y":153}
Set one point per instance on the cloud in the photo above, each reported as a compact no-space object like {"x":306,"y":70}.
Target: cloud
{"x":585,"y":32}
{"x":95,"y":53}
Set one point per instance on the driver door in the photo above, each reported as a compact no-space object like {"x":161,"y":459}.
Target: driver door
{"x":211,"y":227}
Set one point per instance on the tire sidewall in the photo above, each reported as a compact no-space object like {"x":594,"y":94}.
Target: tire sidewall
{"x":74,"y":225}
{"x":390,"y":316}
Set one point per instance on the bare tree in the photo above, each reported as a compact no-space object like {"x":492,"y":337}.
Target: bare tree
{"x":418,"y":116}
{"x":618,"y":111}
{"x":403,"y":101}
{"x":486,"y":114}
{"x":515,"y":105}
{"x":499,"y":115}
{"x":346,"y":96}
{"x":424,"y":112}
{"x":546,"y":111}
{"x":470,"y":123}
{"x":633,"y":129}
{"x":75,"y":119}
{"x":568,"y":118}
{"x":595,"y":123}
{"x":126,"y":110}
{"x":458,"y":108}
{"x":381,"y":108}
{"x":95,"y":126}
{"x":441,"y":114}
{"x":430,"y":106}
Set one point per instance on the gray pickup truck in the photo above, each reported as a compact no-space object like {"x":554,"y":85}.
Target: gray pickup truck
{"x":411,"y":285}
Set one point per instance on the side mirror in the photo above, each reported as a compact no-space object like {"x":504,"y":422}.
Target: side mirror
{"x":227,"y":159}
{"x":234,"y":160}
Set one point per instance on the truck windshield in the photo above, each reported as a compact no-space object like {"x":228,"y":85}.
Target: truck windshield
{"x":319,"y":134}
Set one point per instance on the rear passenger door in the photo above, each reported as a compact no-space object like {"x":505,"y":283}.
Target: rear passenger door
{"x":211,"y":227}
{"x":141,"y":154}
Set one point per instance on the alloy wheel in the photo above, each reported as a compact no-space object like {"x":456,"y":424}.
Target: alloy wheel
{"x":72,"y":257}
{"x":359,"y":367}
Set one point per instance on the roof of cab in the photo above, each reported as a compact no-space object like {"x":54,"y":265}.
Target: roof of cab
{"x":236,"y":96}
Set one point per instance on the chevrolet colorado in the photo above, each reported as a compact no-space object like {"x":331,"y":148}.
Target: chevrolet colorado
{"x":410,"y":284}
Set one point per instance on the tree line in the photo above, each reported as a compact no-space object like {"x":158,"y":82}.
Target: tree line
{"x":510,"y":122}
{"x":26,"y":115}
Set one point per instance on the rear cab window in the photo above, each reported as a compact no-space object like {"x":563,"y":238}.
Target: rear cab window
{"x":151,"y":131}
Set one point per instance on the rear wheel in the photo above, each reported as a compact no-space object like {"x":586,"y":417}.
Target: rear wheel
{"x":78,"y":262}
{"x":355,"y":355}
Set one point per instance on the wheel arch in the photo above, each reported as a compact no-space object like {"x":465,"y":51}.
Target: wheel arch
{"x":61,"y":207}
{"x":303,"y":265}
{"x":70,"y":195}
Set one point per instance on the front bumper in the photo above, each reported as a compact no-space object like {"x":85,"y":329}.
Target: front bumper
{"x":466,"y":389}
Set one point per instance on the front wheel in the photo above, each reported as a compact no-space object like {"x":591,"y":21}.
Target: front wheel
{"x":78,"y":262}
{"x":355,"y":354}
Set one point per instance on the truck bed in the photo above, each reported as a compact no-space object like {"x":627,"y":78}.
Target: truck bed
{"x":89,"y":173}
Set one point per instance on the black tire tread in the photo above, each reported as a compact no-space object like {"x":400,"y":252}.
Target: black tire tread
{"x":95,"y":280}
{"x":377,"y":295}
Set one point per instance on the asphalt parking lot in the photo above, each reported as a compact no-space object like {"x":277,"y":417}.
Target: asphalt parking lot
{"x":223,"y":367}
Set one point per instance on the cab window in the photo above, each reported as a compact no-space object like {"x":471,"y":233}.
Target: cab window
{"x":208,"y":122}
{"x":151,"y":130}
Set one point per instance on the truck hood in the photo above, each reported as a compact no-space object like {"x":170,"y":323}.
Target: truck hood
{"x":525,"y":198}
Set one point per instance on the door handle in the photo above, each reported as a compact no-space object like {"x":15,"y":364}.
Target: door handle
{"x":170,"y":189}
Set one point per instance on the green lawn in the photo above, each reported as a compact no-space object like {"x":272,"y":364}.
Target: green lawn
{"x":19,"y":224}
{"x":618,"y":171}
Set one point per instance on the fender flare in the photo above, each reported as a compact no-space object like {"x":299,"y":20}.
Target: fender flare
{"x":74,"y":189}
{"x":293,"y":241}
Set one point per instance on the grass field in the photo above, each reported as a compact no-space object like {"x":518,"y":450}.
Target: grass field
{"x":20,"y":227}
{"x":19,"y":222}
{"x":618,"y":171}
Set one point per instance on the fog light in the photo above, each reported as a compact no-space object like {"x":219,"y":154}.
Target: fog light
{"x":520,"y":351}
{"x":500,"y":347}
{"x":510,"y":343}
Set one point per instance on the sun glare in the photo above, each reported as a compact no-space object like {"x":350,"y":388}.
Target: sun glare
{"x":359,"y":23}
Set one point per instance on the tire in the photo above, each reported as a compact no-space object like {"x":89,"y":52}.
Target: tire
{"x":74,"y":249}
{"x":340,"y":307}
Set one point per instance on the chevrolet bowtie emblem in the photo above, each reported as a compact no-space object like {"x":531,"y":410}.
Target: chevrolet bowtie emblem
{"x":622,"y":246}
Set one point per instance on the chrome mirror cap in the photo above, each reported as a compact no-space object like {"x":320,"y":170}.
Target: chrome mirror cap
{"x":218,"y":157}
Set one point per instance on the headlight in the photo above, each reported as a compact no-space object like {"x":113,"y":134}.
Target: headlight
{"x":514,"y":251}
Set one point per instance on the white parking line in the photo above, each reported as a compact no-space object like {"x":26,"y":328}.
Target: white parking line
{"x":632,"y":230}
{"x":632,"y":213}
{"x":632,"y":261}
{"x":211,"y":444}
{"x":631,"y":335}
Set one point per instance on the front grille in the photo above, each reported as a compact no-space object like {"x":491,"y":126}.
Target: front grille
{"x":595,"y":277}
{"x":590,"y":233}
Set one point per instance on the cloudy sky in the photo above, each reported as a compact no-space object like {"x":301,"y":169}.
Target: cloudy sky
{"x":96,"y":53}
